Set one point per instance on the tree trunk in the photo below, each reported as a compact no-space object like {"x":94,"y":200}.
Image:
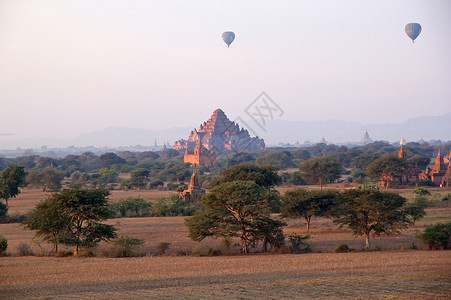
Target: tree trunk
{"x":367,"y":241}
{"x":244,"y":245}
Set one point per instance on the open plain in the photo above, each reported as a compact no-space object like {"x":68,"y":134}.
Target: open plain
{"x":396,"y":272}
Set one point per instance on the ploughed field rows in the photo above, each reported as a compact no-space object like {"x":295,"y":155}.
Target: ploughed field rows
{"x":360,"y":275}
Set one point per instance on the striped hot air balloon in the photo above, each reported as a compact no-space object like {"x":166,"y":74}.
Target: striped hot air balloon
{"x":413,"y":30}
{"x":228,"y":37}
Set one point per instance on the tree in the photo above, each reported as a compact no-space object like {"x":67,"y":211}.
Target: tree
{"x":303,"y":204}
{"x":138,"y":177}
{"x":234,"y":209}
{"x":321,"y":170}
{"x":73,"y":217}
{"x":51,"y":179}
{"x":387,"y":168}
{"x":50,"y":222}
{"x":109,"y":159}
{"x":78,"y":180}
{"x":278,"y":159}
{"x":266,"y":176}
{"x":126,"y":246}
{"x":11,"y":179}
{"x":369,"y":211}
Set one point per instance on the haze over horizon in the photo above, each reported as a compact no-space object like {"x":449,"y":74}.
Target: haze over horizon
{"x":73,"y":67}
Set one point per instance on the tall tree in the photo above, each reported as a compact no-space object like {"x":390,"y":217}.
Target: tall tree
{"x":11,"y":179}
{"x":321,"y":170}
{"x":371,"y":212}
{"x":73,"y":217}
{"x":387,"y":168}
{"x":303,"y":204}
{"x":139,"y":177}
{"x":235,"y":209}
{"x":50,"y":221}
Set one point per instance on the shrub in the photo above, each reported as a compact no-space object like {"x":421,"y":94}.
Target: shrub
{"x":298,"y":244}
{"x":343,"y":248}
{"x":25,"y":250}
{"x":63,"y":254}
{"x":162,"y":247}
{"x":131,"y":207}
{"x":201,"y":250}
{"x":421,"y":191}
{"x":437,"y":236}
{"x":3,"y":245}
{"x":3,"y":209}
{"x":173,"y":206}
{"x":125,"y":246}
{"x":156,"y":184}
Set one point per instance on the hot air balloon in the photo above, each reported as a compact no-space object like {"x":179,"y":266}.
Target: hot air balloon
{"x":228,"y":37}
{"x":413,"y":30}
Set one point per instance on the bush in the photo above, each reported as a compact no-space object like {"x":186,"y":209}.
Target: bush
{"x":25,"y":250}
{"x":3,"y":209}
{"x":298,"y":244}
{"x":131,"y":207}
{"x":63,"y":254}
{"x":421,"y":191}
{"x":125,"y":246}
{"x":156,"y":184}
{"x":162,"y":247}
{"x":437,"y":236}
{"x":201,"y":250}
{"x":174,"y":186}
{"x":171,"y":207}
{"x":342,"y":248}
{"x":3,"y":245}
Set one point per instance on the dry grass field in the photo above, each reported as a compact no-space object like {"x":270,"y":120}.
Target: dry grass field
{"x":363,"y":275}
{"x":397,"y":272}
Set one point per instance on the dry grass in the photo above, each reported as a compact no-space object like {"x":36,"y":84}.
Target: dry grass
{"x":392,"y":274}
{"x":29,"y":198}
{"x":366,"y":275}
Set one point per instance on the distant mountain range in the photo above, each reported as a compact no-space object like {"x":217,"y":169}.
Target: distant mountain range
{"x":277,"y":131}
{"x":342,"y":132}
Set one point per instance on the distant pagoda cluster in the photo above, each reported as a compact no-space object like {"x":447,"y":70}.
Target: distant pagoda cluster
{"x":216,"y":134}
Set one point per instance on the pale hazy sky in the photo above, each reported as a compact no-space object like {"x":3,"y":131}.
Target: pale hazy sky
{"x":70,"y":67}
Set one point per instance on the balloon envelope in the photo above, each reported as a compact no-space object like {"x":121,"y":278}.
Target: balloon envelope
{"x":228,"y":37}
{"x":413,"y":30}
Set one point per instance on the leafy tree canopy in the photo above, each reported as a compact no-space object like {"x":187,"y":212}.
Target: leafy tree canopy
{"x":264,"y":176}
{"x":321,"y":170}
{"x":236,"y":209}
{"x":369,"y":211}
{"x":300,"y":203}
{"x":73,"y":217}
{"x":11,"y":179}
